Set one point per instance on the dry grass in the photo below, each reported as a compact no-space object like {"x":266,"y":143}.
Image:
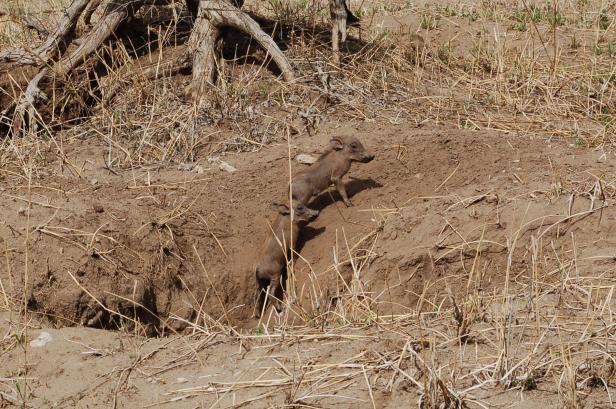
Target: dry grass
{"x":548,"y":71}
{"x":555,"y":77}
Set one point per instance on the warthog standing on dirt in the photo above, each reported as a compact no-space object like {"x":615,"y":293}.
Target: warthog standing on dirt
{"x":277,"y":250}
{"x":330,"y":168}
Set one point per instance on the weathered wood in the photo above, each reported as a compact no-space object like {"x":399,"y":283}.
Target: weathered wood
{"x":223,"y":14}
{"x":115,"y":12}
{"x":203,"y":50}
{"x":205,"y":44}
{"x":92,"y":7}
{"x":34,"y":24}
{"x":341,"y":17}
{"x":338,"y":14}
{"x":55,"y":43}
{"x":25,"y":109}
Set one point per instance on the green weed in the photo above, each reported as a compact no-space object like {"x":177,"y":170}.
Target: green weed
{"x":608,"y":49}
{"x":520,"y":26}
{"x":427,"y":22}
{"x":604,"y":21}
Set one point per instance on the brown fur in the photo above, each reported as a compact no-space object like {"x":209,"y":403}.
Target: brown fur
{"x":330,"y":168}
{"x":276,"y":252}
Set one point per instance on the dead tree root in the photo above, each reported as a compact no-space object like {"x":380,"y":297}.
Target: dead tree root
{"x":205,"y":42}
{"x":61,"y":55}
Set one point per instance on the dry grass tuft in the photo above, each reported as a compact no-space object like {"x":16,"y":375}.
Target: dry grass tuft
{"x":510,"y":68}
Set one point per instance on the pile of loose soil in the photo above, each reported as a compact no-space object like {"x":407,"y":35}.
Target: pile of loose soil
{"x":436,"y":209}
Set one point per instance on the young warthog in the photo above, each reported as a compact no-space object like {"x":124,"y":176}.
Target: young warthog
{"x":330,"y":168}
{"x":277,"y":250}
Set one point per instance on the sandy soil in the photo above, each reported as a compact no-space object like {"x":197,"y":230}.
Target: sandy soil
{"x":436,"y":211}
{"x":475,"y":269}
{"x":423,"y":208}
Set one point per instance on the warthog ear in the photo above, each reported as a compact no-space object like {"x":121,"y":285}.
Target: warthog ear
{"x":336,"y":143}
{"x":282,"y":208}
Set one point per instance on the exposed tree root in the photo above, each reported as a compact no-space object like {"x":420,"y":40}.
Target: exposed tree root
{"x":204,"y":46}
{"x":341,"y":16}
{"x":92,"y":7}
{"x":55,"y":44}
{"x":25,"y":110}
{"x":203,"y":49}
{"x":34,"y":24}
{"x":116,"y":11}
{"x":205,"y":42}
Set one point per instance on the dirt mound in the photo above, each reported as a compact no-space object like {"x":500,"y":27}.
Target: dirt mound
{"x":438,"y":209}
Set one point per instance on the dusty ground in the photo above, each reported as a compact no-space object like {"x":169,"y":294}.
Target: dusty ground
{"x":476,"y":267}
{"x":438,"y":210}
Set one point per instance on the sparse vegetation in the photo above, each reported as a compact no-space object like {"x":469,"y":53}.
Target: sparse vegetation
{"x":605,"y":49}
{"x":476,"y":267}
{"x":537,"y":15}
{"x":428,"y":22}
{"x":604,"y":21}
{"x":520,"y":26}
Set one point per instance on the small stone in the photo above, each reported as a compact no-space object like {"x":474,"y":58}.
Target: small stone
{"x":41,"y":340}
{"x":191,"y":167}
{"x":181,"y":380}
{"x":23,"y":211}
{"x":94,"y":182}
{"x":98,"y":208}
{"x":226,"y":167}
{"x":305,"y":159}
